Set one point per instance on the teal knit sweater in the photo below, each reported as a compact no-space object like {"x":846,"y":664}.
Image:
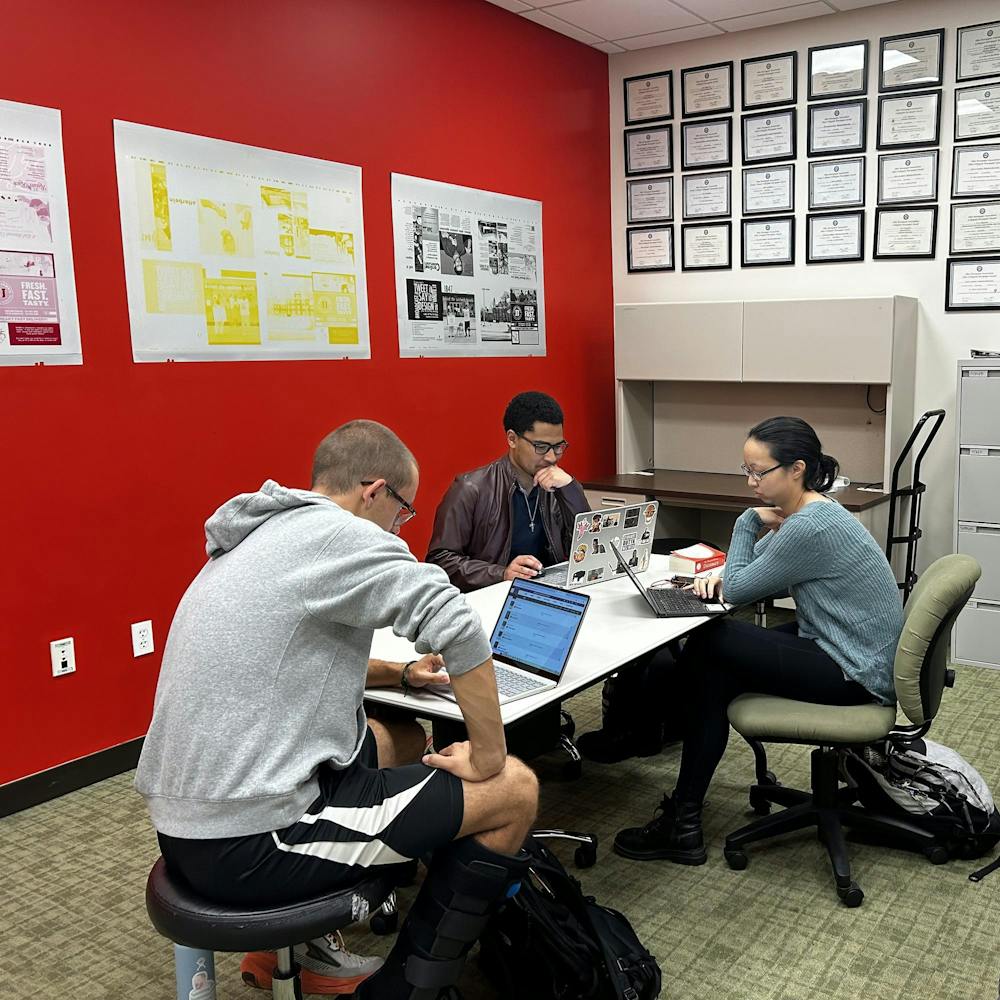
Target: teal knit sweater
{"x":846,"y":597}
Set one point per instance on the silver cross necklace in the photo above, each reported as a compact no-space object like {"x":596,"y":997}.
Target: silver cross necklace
{"x":531,"y":513}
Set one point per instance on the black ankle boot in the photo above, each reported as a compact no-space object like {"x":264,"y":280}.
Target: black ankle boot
{"x":464,"y":884}
{"x":673,"y":834}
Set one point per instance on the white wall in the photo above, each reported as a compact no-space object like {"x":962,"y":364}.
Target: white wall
{"x":942,"y":337}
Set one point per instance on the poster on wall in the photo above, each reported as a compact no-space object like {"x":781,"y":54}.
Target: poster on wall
{"x":236,"y":253}
{"x":38,"y":313}
{"x":469,"y":276}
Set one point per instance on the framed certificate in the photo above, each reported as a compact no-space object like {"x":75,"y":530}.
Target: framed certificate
{"x":649,"y":150}
{"x":707,"y":90}
{"x":972,"y":284}
{"x":769,"y":189}
{"x":905,"y":233}
{"x":707,"y":196}
{"x":908,"y":177}
{"x":769,"y":136}
{"x":649,"y":98}
{"x":650,"y":200}
{"x":975,"y":227}
{"x":835,"y":238}
{"x":837,"y":183}
{"x":835,"y":129}
{"x":977,"y":113}
{"x":650,"y":249}
{"x":978,"y":51}
{"x":911,"y":61}
{"x":909,"y":120}
{"x":707,"y":144}
{"x":838,"y":71}
{"x":975,"y":171}
{"x":707,"y":247}
{"x":770,"y":81}
{"x":768,"y":242}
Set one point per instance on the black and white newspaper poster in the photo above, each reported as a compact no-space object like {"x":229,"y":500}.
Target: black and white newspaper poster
{"x":468,"y":271}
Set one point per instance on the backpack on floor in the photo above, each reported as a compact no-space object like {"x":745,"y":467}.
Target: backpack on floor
{"x":550,"y":942}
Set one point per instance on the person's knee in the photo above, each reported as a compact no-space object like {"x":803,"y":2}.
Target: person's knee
{"x":522,"y":787}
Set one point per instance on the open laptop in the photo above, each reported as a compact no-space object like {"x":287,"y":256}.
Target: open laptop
{"x":671,"y":602}
{"x":532,"y":639}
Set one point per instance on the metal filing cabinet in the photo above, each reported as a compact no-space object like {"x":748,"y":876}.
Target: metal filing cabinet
{"x":977,"y":507}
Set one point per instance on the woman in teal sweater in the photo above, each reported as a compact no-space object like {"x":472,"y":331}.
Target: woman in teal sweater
{"x":839,"y":651}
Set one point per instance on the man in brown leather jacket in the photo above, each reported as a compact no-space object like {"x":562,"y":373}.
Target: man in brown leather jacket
{"x":511,"y":518}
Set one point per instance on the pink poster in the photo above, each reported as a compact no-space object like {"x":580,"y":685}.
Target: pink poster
{"x":29,"y":308}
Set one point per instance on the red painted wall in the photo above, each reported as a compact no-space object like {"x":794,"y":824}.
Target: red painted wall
{"x":110,"y":470}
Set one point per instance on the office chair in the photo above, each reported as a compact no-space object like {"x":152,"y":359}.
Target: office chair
{"x":920,"y":673}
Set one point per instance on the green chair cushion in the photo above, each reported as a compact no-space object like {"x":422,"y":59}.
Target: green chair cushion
{"x":765,"y":717}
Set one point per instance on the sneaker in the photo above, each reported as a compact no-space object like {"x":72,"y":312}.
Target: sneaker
{"x":328,"y":968}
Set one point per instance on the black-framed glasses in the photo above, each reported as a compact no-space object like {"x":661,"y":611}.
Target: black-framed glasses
{"x":758,"y":476}
{"x":543,"y":447}
{"x":406,"y":511}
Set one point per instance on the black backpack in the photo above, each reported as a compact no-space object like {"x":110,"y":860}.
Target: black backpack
{"x":574,"y":948}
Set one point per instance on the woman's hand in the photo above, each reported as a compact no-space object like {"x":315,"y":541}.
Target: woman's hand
{"x":770,"y":517}
{"x":708,"y":588}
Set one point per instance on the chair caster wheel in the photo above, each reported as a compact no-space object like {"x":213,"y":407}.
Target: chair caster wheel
{"x":572,"y":770}
{"x":585,"y":856}
{"x":937,"y":854}
{"x":758,"y":803}
{"x":382,"y":924}
{"x":736,"y":858}
{"x":850,"y":895}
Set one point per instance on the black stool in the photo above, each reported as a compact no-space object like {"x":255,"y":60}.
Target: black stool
{"x":199,"y":928}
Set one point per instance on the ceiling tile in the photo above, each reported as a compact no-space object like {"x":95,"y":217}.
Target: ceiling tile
{"x":855,"y":4}
{"x":610,"y":47}
{"x":717,"y":10}
{"x":563,"y":27}
{"x":669,"y":37}
{"x":798,"y":13}
{"x":615,"y":19}
{"x":512,"y":5}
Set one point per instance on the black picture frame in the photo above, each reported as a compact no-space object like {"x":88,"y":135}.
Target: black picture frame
{"x":766,"y":168}
{"x":792,"y":114}
{"x":922,"y":84}
{"x":811,"y":218}
{"x":995,"y":25}
{"x":951,"y":231}
{"x":629,"y":182}
{"x":843,"y":150}
{"x":882,"y":211}
{"x":632,"y":269}
{"x":669,"y":74}
{"x":909,"y":95}
{"x":692,"y":178}
{"x":880,"y":195}
{"x":841,"y":205}
{"x":952,"y":261}
{"x":715,"y":164}
{"x":728,"y":225}
{"x":766,"y":220}
{"x":986,"y":135}
{"x":706,"y":111}
{"x":840,"y":95}
{"x":989,"y":148}
{"x":744,"y":63}
{"x":647,"y":171}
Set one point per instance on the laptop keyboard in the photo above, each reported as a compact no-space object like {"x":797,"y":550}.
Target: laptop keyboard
{"x":671,"y":601}
{"x":511,"y":682}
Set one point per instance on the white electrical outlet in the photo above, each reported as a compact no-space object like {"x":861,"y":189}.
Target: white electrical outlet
{"x":63,"y":657}
{"x":142,"y":638}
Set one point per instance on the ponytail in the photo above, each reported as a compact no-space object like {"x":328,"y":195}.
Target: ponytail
{"x":826,"y":473}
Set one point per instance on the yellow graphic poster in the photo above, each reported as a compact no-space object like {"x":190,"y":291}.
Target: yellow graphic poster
{"x":239,"y":253}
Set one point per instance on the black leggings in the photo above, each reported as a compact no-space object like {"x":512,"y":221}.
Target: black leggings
{"x":725,"y":658}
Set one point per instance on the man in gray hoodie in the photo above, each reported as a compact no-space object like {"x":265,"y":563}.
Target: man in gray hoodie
{"x":264,"y":779}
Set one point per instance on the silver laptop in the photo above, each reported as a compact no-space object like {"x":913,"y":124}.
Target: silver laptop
{"x":532,"y":639}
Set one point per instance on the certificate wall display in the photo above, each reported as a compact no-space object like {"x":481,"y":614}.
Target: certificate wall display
{"x":975,"y":227}
{"x":707,"y":196}
{"x":650,"y":200}
{"x":769,"y":189}
{"x":977,"y":113}
{"x":837,"y":183}
{"x":911,"y":61}
{"x":769,"y":136}
{"x":908,"y":177}
{"x":770,"y":81}
{"x":707,"y":90}
{"x":909,"y":120}
{"x":649,"y":150}
{"x":837,"y":237}
{"x":838,"y":71}
{"x":835,"y":129}
{"x":768,"y":242}
{"x":905,"y":233}
{"x":707,"y":248}
{"x":975,"y":171}
{"x":978,"y":51}
{"x":707,"y":144}
{"x":973,"y":283}
{"x":649,"y":98}
{"x":650,"y":249}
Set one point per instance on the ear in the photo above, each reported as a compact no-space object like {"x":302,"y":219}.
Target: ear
{"x":369,"y":493}
{"x":798,"y":469}
{"x":511,"y":439}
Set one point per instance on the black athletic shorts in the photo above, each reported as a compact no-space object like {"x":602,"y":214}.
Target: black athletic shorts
{"x":363,"y":817}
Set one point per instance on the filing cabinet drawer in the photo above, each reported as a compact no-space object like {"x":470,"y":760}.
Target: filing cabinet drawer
{"x":599,"y":499}
{"x":980,"y":416}
{"x":982,"y":542}
{"x":979,"y":485}
{"x":977,"y":634}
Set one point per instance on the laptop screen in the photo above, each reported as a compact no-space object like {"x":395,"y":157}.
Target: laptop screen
{"x":537,"y":627}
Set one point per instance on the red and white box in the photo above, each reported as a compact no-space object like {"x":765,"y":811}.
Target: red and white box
{"x":696,"y":559}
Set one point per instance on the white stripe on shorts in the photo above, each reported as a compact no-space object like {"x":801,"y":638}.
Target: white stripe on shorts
{"x":364,"y":853}
{"x":369,"y":820}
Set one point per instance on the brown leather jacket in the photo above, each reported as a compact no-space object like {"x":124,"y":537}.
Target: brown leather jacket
{"x":473,"y":524}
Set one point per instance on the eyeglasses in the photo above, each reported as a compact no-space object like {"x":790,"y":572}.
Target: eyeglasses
{"x":758,"y":476}
{"x":406,"y":510}
{"x":543,"y":447}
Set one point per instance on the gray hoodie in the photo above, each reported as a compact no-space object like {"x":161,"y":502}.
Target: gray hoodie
{"x":264,"y":668}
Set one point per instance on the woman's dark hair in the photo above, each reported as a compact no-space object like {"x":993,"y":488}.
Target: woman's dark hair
{"x":789,"y":439}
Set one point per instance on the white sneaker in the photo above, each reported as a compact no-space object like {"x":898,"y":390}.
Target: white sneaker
{"x":328,"y":968}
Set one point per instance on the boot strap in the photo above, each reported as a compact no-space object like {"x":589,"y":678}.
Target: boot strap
{"x":430,"y":974}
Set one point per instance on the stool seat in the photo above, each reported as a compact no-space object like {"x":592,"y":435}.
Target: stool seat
{"x":187,"y":919}
{"x":768,"y":718}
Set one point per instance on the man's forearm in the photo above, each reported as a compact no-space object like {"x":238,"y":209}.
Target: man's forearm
{"x":476,"y":692}
{"x":383,"y":673}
